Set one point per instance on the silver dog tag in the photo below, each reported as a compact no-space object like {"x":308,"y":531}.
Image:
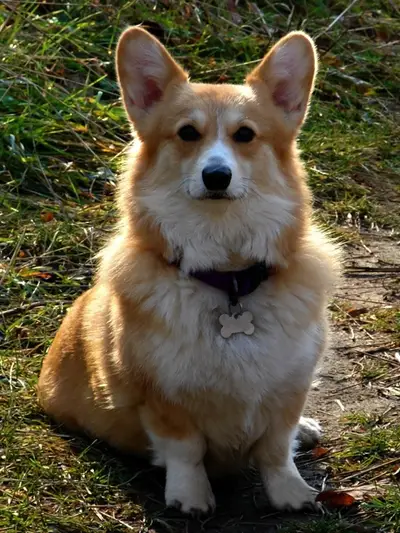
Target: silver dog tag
{"x":236,"y":323}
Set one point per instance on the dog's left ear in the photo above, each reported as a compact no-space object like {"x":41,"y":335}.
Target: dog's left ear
{"x":288,"y":72}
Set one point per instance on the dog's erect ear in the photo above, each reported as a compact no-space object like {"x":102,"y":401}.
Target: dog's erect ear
{"x":144,"y":69}
{"x":288,"y":72}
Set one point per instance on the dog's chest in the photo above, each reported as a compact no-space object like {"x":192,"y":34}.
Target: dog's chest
{"x":196,"y":357}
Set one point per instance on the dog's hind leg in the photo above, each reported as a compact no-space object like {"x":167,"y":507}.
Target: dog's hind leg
{"x":308,"y":434}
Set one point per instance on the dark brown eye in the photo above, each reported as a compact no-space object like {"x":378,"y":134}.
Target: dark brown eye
{"x":244,"y":135}
{"x":189,"y":134}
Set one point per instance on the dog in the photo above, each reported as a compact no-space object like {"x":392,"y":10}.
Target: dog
{"x":198,"y":342}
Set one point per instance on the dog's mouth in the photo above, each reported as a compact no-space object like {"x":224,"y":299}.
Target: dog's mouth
{"x":216,"y":196}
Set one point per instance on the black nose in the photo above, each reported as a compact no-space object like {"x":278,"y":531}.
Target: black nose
{"x":217,"y":177}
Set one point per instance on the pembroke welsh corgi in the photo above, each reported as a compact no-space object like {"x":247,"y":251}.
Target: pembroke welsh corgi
{"x":198,"y":342}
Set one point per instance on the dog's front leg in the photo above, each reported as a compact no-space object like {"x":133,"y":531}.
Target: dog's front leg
{"x":273,"y":454}
{"x":179,"y":447}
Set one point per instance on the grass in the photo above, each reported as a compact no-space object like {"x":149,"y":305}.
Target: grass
{"x":386,"y":320}
{"x":388,"y":510}
{"x":62,"y":139}
{"x":370,"y":441}
{"x":63,"y":129}
{"x":369,"y":454}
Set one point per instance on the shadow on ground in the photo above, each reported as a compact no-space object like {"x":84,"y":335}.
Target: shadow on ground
{"x":241,"y":502}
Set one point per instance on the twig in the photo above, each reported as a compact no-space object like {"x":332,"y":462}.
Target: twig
{"x":117,"y":520}
{"x":370,"y":469}
{"x":376,"y":348}
{"x":355,"y":298}
{"x":366,"y":275}
{"x":383,"y":359}
{"x":23,"y":307}
{"x":394,"y":380}
{"x":337,"y":391}
{"x":336,"y":20}
{"x":391,"y":43}
{"x":229,"y":67}
{"x":341,"y":406}
{"x":365,"y":247}
{"x":30,"y":305}
{"x":373,"y":269}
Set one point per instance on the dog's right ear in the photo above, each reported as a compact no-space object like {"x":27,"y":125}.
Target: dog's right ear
{"x":145,"y":69}
{"x":287,"y":74}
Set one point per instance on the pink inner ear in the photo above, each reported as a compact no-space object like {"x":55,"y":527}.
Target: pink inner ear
{"x":285,"y":97}
{"x":150,"y":94}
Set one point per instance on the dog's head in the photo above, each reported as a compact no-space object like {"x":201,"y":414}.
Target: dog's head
{"x":212,"y":156}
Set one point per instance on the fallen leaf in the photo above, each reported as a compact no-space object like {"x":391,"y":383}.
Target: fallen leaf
{"x":187,"y":11}
{"x":47,"y":216}
{"x":319,"y":452}
{"x":37,"y":274}
{"x":81,"y":127}
{"x":223,"y":78}
{"x":354,"y":311}
{"x":333,"y":498}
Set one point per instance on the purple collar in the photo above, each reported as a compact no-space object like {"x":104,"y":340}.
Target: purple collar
{"x":235,"y":284}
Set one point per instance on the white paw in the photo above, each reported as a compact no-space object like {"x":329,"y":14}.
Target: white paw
{"x":309,"y":432}
{"x":286,"y":489}
{"x":189,"y":489}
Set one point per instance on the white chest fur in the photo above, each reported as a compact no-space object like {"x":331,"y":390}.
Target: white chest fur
{"x":196,"y":357}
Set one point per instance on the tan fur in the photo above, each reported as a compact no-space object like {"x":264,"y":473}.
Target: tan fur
{"x":99,"y":375}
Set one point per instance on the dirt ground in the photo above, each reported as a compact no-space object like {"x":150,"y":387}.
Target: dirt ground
{"x":371,"y":282}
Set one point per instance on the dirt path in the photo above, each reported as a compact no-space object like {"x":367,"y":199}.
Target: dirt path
{"x":342,"y":386}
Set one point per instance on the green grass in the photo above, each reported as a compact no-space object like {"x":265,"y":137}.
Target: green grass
{"x":386,"y":510}
{"x":369,"y":456}
{"x":62,"y":138}
{"x":371,"y":441}
{"x":63,"y":128}
{"x":385,"y":320}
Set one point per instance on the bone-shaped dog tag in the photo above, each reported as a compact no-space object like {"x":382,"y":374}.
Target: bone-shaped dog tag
{"x":236,"y":323}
